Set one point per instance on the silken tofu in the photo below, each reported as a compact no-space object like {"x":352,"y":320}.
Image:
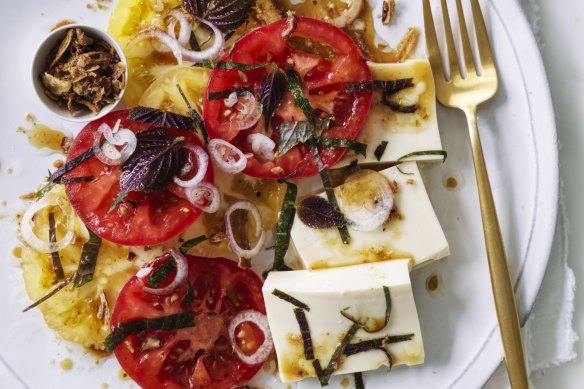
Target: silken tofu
{"x":403,"y":132}
{"x":357,"y":290}
{"x":412,"y":231}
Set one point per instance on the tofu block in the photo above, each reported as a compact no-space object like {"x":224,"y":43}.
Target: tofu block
{"x":412,"y":232}
{"x":403,"y":132}
{"x":356,"y":289}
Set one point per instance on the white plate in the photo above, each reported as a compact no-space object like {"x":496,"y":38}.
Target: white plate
{"x":458,"y":322}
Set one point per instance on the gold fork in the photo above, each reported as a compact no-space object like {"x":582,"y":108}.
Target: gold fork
{"x":467,"y":93}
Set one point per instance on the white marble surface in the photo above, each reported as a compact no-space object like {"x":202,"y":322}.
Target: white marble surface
{"x":561,"y":29}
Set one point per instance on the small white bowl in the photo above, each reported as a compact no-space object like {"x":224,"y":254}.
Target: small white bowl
{"x":39,"y":65}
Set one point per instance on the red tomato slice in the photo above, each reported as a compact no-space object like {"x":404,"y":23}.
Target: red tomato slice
{"x":200,"y":356}
{"x":143,"y":218}
{"x":325,"y":78}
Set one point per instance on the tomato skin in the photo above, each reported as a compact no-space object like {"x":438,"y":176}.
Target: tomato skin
{"x":266,"y":44}
{"x":145,"y":218}
{"x":221,"y":290}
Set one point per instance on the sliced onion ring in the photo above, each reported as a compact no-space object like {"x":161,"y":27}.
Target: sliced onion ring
{"x":261,"y":321}
{"x":28,"y":235}
{"x":184,"y":21}
{"x":248,"y":111}
{"x":262,"y":146}
{"x":202,"y":165}
{"x":224,"y":154}
{"x":182,"y":270}
{"x":204,"y":196}
{"x":255,"y":213}
{"x":375,"y":208}
{"x":164,"y":38}
{"x":210,"y":52}
{"x":107,"y":153}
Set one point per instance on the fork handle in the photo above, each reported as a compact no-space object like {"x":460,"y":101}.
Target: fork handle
{"x":500,"y":279}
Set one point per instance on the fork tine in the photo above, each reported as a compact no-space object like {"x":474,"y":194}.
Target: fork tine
{"x":466,"y":48}
{"x":485,"y":52}
{"x":432,"y":42}
{"x":450,"y":48}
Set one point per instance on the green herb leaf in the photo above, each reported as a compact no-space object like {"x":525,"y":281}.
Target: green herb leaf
{"x":285,"y":220}
{"x":210,"y":64}
{"x":89,"y":253}
{"x":160,"y":118}
{"x":359,"y":384}
{"x":271,"y":93}
{"x":164,"y":323}
{"x":386,"y":318}
{"x":159,"y":275}
{"x":189,"y":244}
{"x":316,"y":212}
{"x":226,"y":15}
{"x":305,"y":332}
{"x":295,"y":86}
{"x":443,"y":153}
{"x":225,"y":93}
{"x":194,"y":115}
{"x":286,"y":297}
{"x":380,"y":150}
{"x":294,"y":133}
{"x":358,"y":147}
{"x":154,"y":163}
{"x":190,"y":294}
{"x":56,"y":258}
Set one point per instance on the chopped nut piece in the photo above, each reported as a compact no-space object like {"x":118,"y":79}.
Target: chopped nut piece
{"x":387,"y":11}
{"x":407,"y":45}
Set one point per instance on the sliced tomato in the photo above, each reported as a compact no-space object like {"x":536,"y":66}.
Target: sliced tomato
{"x":326,"y":58}
{"x":142,"y":218}
{"x":197,"y":357}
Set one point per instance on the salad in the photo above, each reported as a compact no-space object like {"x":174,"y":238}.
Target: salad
{"x":259,"y":200}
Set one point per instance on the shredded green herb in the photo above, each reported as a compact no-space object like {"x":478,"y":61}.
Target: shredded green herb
{"x":443,"y":153}
{"x":359,"y":384}
{"x":44,"y":190}
{"x":225,"y":93}
{"x":164,"y":323}
{"x":190,"y":294}
{"x":295,"y":87}
{"x":50,"y":293}
{"x":305,"y":332}
{"x":358,"y":147}
{"x":159,"y":275}
{"x":76,"y":180}
{"x":189,"y":244}
{"x":285,"y":220}
{"x":385,"y":321}
{"x":286,"y":297}
{"x":88,"y":260}
{"x":55,"y":177}
{"x":194,"y":115}
{"x":380,"y":150}
{"x":330,"y":193}
{"x":333,"y":364}
{"x":56,"y":258}
{"x":210,"y":64}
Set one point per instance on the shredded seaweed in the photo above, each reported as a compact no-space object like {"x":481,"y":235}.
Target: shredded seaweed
{"x":55,"y":257}
{"x":50,"y":293}
{"x":333,"y":364}
{"x":359,"y":384}
{"x":190,"y":294}
{"x":88,"y":260}
{"x":76,"y":180}
{"x":330,"y":193}
{"x":380,"y":150}
{"x":305,"y":332}
{"x":164,"y":323}
{"x":189,"y":244}
{"x":283,"y":228}
{"x":286,"y":297}
{"x":385,"y":321}
{"x":374,"y":344}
